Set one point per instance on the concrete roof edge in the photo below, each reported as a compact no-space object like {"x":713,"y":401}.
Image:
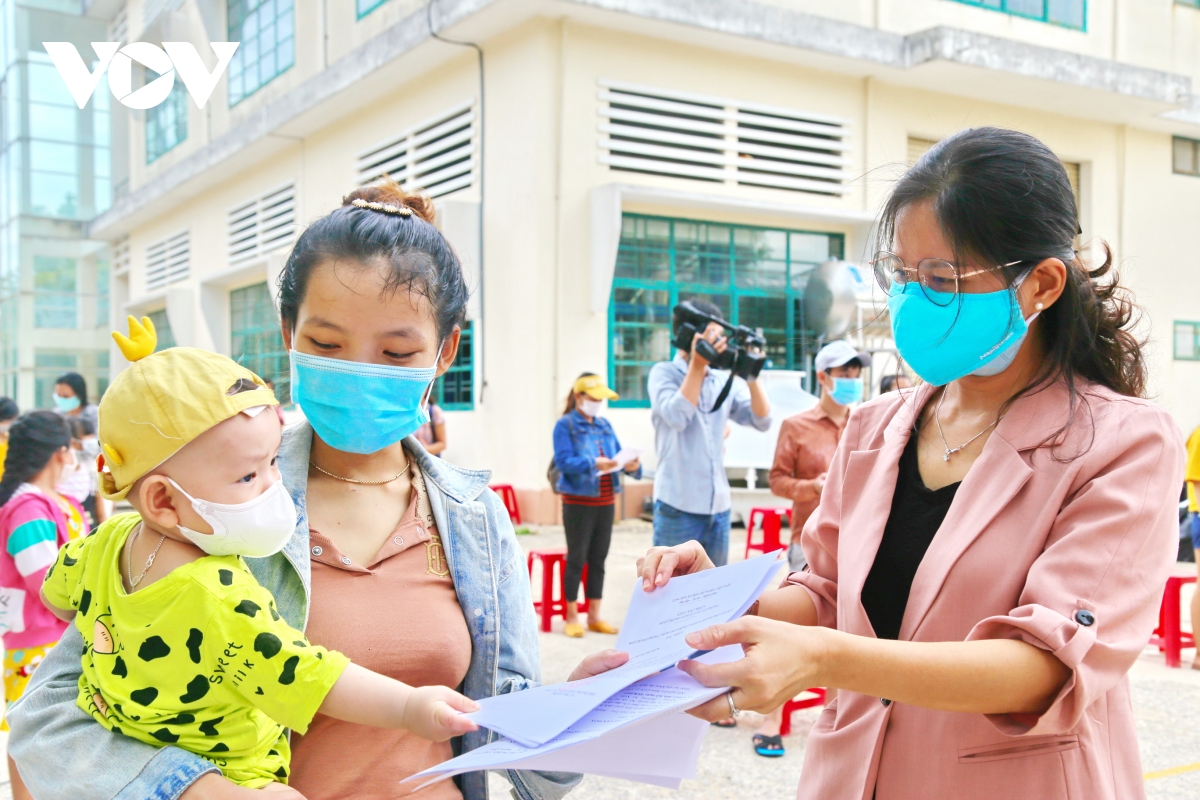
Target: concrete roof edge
{"x":1036,"y":61}
{"x":768,"y":23}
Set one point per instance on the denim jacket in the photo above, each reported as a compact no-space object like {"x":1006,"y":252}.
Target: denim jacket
{"x":63,"y":753}
{"x":577,"y":445}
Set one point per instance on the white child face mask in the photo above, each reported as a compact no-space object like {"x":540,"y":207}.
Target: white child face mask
{"x":255,"y":529}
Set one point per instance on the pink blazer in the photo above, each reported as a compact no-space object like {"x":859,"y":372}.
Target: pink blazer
{"x":1029,"y":542}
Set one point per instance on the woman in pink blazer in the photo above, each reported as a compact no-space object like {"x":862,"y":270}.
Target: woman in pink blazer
{"x":990,"y":552}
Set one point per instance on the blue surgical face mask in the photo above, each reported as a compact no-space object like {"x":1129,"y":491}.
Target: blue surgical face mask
{"x":974,"y":334}
{"x":65,"y":404}
{"x":360,"y":408}
{"x":847,"y":391}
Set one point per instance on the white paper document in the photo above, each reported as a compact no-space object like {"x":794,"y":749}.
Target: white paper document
{"x":640,"y":734}
{"x":623,"y":457}
{"x":653,"y":635}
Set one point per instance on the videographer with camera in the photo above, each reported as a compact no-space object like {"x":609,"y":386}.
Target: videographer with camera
{"x":691,"y":403}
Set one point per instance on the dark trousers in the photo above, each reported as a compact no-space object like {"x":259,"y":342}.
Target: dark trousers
{"x":589,"y":533}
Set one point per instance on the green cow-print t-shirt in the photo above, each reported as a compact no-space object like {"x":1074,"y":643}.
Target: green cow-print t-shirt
{"x":199,"y":659}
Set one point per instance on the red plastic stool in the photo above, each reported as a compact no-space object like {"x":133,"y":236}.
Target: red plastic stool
{"x":553,"y":604}
{"x":770,"y":522}
{"x":509,"y":496}
{"x":806,"y":699}
{"x":1169,"y":638}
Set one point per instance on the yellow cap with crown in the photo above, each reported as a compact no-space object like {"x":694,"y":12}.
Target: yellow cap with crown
{"x":163,"y":401}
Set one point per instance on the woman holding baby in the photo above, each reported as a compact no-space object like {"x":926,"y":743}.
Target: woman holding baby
{"x":406,"y":564}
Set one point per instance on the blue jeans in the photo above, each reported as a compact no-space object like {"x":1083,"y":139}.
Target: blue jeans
{"x":672,"y":527}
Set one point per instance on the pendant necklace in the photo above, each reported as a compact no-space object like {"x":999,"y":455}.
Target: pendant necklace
{"x":952,"y":450}
{"x":133,"y":582}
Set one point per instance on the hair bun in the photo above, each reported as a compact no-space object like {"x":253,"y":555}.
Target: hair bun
{"x":391,"y":193}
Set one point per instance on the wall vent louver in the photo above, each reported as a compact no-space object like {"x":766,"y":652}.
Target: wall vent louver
{"x":684,"y":135}
{"x":168,"y":261}
{"x":436,"y":157}
{"x":264,"y":224}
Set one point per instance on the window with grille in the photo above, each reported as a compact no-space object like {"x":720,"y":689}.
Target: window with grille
{"x":162,"y":329}
{"x":264,"y":224}
{"x":436,"y":157}
{"x":755,"y":275}
{"x":1185,"y":156}
{"x":455,"y":391}
{"x":1068,"y":13}
{"x":168,"y":261}
{"x":55,"y":302}
{"x":684,"y":135}
{"x":167,"y":123}
{"x":255,"y":340}
{"x":266,"y":30}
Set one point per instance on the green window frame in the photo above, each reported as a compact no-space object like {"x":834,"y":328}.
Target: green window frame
{"x":1065,"y":13}
{"x":1187,"y":340}
{"x":255,"y":340}
{"x":754,"y":274}
{"x":265,"y":30}
{"x":167,"y":123}
{"x":455,"y":390}
{"x":162,"y":329}
{"x":364,"y":7}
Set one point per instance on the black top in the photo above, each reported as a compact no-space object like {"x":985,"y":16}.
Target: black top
{"x":917,"y":513}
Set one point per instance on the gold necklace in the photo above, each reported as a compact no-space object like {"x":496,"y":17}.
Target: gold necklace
{"x":313,"y":464}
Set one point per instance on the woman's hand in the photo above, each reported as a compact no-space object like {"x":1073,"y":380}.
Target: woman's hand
{"x":605,"y":464}
{"x":781,"y":661}
{"x":660,"y":564}
{"x":633,"y":466}
{"x":597,"y":663}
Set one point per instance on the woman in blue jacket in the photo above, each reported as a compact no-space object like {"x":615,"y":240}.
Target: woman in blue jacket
{"x":584,"y":451}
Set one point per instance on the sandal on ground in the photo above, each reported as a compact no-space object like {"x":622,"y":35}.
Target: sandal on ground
{"x":768,"y":746}
{"x":574,"y":630}
{"x":600,"y":626}
{"x":726,"y":723}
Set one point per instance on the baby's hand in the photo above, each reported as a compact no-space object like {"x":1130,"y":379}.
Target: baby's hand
{"x":436,"y":713}
{"x":282,"y":792}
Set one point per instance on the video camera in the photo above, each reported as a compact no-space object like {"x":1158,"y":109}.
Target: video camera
{"x":736,"y":358}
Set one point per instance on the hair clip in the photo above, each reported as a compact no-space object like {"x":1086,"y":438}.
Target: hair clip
{"x":386,"y":208}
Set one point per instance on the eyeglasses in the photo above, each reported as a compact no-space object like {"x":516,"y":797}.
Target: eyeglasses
{"x":940,"y":281}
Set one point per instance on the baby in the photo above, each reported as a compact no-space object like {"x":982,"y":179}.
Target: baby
{"x":183,"y":646}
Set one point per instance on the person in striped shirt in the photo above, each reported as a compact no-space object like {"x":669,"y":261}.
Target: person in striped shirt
{"x":35,"y":520}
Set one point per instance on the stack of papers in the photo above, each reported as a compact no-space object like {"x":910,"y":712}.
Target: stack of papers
{"x":639,"y":734}
{"x":627,"y":722}
{"x":653,"y":635}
